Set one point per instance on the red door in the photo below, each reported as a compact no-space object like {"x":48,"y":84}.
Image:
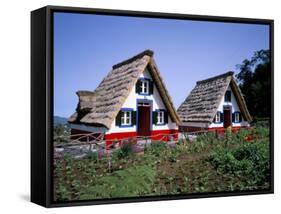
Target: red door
{"x":144,"y":121}
{"x":227,"y":116}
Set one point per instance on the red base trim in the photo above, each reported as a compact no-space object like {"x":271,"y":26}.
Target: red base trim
{"x":155,"y":135}
{"x":110,"y":139}
{"x":221,"y":129}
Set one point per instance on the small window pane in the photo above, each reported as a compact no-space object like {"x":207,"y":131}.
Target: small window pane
{"x":126,"y":118}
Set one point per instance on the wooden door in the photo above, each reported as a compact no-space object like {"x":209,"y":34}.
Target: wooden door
{"x":227,"y":117}
{"x":144,"y":121}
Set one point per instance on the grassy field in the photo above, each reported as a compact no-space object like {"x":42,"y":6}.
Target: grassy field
{"x":209,"y":164}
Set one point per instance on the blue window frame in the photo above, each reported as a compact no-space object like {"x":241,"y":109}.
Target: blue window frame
{"x":144,"y":86}
{"x":126,"y":117}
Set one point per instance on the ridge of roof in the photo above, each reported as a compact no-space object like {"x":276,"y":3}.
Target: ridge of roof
{"x":85,"y":93}
{"x":147,"y":52}
{"x":229,"y":73}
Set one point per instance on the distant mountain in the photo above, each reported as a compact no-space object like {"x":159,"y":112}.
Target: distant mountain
{"x":60,"y":120}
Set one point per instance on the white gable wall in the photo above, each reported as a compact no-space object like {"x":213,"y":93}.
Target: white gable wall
{"x":131,"y":102}
{"x":235,"y":108}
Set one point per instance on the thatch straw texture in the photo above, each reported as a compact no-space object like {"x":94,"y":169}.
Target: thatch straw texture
{"x":202,"y":103}
{"x":102,"y":105}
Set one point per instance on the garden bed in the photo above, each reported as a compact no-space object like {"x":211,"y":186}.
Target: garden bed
{"x":208,"y":164}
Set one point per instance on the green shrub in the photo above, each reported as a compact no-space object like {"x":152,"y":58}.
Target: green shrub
{"x":61,"y":133}
{"x":156,"y":148}
{"x":262,"y":122}
{"x":225,"y":162}
{"x":126,"y":149}
{"x":228,"y":135}
{"x":258,"y":155}
{"x":209,"y":137}
{"x":239,"y":137}
{"x":249,"y":159}
{"x":197,"y":146}
{"x":93,"y":156}
{"x":63,"y":193}
{"x":262,"y":132}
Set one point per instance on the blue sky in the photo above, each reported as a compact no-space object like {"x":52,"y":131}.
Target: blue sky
{"x":86,"y":46}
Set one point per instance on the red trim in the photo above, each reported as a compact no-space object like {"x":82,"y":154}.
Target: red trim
{"x":109,"y":138}
{"x":233,"y":128}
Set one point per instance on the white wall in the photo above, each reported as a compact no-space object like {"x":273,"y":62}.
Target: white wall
{"x":131,"y":102}
{"x":234,"y":107}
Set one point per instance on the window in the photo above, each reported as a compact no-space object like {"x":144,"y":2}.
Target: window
{"x":218,"y":117}
{"x":237,"y":117}
{"x":227,"y":97}
{"x":126,"y":118}
{"x":144,"y":87}
{"x":160,"y":117}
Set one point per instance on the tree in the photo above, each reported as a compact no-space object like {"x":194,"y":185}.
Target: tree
{"x":254,"y":80}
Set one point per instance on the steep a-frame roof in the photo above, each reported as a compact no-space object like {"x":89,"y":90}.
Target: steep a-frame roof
{"x":100,"y":107}
{"x":202,"y":103}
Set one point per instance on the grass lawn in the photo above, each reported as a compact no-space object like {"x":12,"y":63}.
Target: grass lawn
{"x":209,"y":164}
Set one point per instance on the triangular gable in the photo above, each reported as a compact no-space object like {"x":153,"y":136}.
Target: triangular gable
{"x":102,"y":106}
{"x":202,"y":103}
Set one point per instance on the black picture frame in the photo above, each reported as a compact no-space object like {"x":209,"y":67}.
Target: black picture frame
{"x":42,"y":102}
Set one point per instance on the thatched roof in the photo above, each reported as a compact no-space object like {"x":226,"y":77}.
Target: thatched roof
{"x":101,"y":106}
{"x":202,"y":103}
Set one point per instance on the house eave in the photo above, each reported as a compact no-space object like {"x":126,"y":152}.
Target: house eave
{"x":188,"y":123}
{"x":96,"y":128}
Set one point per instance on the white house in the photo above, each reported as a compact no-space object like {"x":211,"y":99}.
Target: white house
{"x":132,"y":100}
{"x":214,"y":104}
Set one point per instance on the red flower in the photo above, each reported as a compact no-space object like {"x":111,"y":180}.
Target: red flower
{"x":249,"y":138}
